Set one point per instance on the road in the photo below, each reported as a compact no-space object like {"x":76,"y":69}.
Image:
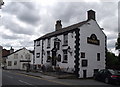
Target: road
{"x":14,"y":79}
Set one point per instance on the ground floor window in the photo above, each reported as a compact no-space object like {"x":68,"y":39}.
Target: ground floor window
{"x":84,"y":63}
{"x":15,"y":62}
{"x":48,"y":56}
{"x":65,"y":56}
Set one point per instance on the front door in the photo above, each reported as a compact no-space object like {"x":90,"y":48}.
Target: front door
{"x":84,"y":73}
{"x":54,"y":58}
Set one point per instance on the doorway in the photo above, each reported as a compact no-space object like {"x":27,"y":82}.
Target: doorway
{"x":84,"y":73}
{"x":54,"y":57}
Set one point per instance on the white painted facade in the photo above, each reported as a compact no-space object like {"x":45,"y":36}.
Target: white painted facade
{"x":91,"y":27}
{"x":77,"y":42}
{"x":21,"y":57}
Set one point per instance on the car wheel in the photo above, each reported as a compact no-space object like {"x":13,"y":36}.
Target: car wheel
{"x":106,"y":80}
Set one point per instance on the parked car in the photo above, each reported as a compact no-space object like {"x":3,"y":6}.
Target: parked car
{"x":108,"y":76}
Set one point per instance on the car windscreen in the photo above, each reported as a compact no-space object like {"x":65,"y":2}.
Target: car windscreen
{"x":114,"y":71}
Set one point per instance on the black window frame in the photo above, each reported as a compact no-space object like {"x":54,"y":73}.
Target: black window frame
{"x":98,"y":56}
{"x":65,"y":56}
{"x":82,"y":54}
{"x":48,"y":42}
{"x":84,"y":63}
{"x":65,"y":39}
{"x":38,"y":43}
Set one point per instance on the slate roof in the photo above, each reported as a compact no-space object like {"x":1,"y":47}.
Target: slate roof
{"x":60,"y":31}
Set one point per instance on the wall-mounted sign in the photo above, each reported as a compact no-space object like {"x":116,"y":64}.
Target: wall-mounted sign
{"x":93,"y":40}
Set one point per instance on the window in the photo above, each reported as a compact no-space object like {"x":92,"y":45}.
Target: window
{"x":65,"y":56}
{"x":57,"y":45}
{"x":9,"y":63}
{"x":59,"y":58}
{"x":21,"y":56}
{"x":15,"y":56}
{"x":15,"y":62}
{"x":38,"y":43}
{"x":82,"y":55}
{"x":65,"y":39}
{"x":84,"y":63}
{"x":37,"y":55}
{"x":48,"y":56}
{"x":27,"y":56}
{"x":48,"y":43}
{"x":98,"y":56}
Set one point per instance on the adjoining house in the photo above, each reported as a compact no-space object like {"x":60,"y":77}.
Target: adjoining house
{"x":5,"y":53}
{"x":79,"y":48}
{"x":20,"y":59}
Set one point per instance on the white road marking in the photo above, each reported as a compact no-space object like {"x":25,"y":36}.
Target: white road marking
{"x":25,"y":82}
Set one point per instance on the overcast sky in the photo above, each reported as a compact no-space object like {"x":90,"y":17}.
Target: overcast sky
{"x":23,"y":22}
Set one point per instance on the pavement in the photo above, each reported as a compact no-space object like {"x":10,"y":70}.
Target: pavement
{"x":16,"y":77}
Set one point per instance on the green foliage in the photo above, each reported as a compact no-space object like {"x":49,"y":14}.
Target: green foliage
{"x":117,"y":44}
{"x":112,"y":60}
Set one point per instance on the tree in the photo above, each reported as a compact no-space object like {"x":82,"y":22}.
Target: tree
{"x":111,"y":60}
{"x":117,"y":46}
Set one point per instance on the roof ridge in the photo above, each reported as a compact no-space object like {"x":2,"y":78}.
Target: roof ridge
{"x":65,"y":29}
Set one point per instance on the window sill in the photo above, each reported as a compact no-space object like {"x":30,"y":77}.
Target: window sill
{"x":65,"y":45}
{"x":64,"y":62}
{"x":84,"y":66}
{"x":48,"y":47}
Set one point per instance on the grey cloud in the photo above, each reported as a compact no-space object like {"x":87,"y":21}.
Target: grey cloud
{"x":16,"y":28}
{"x":4,"y":36}
{"x":25,"y":12}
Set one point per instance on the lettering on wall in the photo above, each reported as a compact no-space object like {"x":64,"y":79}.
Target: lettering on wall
{"x":93,"y":40}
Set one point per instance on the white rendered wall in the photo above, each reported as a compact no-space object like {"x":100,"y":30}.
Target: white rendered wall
{"x":90,"y":49}
{"x":22,"y":52}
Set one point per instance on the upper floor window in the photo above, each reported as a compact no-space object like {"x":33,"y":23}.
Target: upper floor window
{"x":65,"y":39}
{"x":57,"y":45}
{"x":48,"y":43}
{"x":15,"y":56}
{"x":82,"y":55}
{"x":65,"y":56}
{"x":38,"y":43}
{"x":98,"y":56}
{"x":27,"y":56}
{"x":37,"y":55}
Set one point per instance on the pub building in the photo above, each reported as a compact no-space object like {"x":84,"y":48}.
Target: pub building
{"x":79,"y":48}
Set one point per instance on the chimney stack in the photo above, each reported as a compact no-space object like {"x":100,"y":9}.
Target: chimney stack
{"x":11,"y":50}
{"x":91,"y":14}
{"x":58,"y":25}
